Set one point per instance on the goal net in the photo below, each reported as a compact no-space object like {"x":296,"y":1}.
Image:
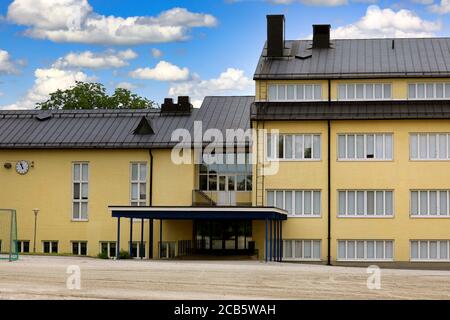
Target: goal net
{"x":8,"y":235}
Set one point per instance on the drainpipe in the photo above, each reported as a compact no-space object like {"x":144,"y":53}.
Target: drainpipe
{"x":150,"y":223}
{"x":329,"y":179}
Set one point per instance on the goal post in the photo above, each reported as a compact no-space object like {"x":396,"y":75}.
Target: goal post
{"x":8,"y":235}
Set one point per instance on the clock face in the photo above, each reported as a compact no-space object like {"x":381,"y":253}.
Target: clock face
{"x":22,"y":167}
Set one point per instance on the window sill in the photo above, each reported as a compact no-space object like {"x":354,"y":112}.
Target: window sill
{"x":430,"y":260}
{"x":293,"y":160}
{"x":365,"y":260}
{"x":79,"y":220}
{"x":429,"y":217}
{"x":364,"y":160}
{"x":429,"y":160}
{"x":368,"y":217}
{"x":304,"y":216}
{"x":302,"y":259}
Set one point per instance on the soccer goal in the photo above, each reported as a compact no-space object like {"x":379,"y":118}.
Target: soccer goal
{"x":8,"y":235}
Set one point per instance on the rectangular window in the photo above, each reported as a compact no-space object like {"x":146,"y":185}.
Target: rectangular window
{"x":365,"y":203}
{"x":50,"y":246}
{"x":138,"y":249}
{"x":361,"y":250}
{"x":299,"y":92}
{"x":108,"y":248}
{"x":80,"y":197}
{"x":430,"y":250}
{"x":425,"y":203}
{"x":23,"y":246}
{"x":306,"y":250}
{"x":364,"y":91}
{"x":428,"y":91}
{"x":365,"y":146}
{"x":79,"y":248}
{"x":296,"y":202}
{"x":293,"y":147}
{"x":138,"y":181}
{"x":429,"y":146}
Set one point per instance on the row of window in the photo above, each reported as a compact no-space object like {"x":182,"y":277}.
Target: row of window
{"x":361,"y":203}
{"x":361,"y":146}
{"x":80,"y":188}
{"x":357,"y":91}
{"x":367,"y":250}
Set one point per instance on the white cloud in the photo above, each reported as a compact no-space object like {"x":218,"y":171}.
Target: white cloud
{"x":442,"y":8}
{"x":88,"y":59}
{"x":156,"y":53}
{"x":7,"y":66}
{"x":126,"y":85}
{"x":330,"y":3}
{"x":164,"y":71}
{"x":76,"y":21}
{"x":48,"y":81}
{"x":383,"y":23}
{"x":231,"y":81}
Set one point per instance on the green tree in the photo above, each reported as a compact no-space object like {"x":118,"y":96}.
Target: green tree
{"x":85,"y":95}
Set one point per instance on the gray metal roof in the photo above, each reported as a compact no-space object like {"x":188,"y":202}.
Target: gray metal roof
{"x":359,"y":58}
{"x":114,"y":128}
{"x":351,"y":110}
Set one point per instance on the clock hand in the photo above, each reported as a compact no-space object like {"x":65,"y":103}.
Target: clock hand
{"x":21,"y":165}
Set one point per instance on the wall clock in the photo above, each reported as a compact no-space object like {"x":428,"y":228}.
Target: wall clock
{"x":22,"y":167}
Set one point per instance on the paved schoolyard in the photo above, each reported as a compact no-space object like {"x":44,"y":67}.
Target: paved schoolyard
{"x":39,"y":277}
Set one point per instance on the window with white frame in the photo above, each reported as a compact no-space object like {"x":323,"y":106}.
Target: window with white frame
{"x":366,"y":203}
{"x":295,"y":92}
{"x":364,"y":91}
{"x":80,"y":191}
{"x":305,"y":203}
{"x":429,"y":146}
{"x":430,"y":250}
{"x":139,"y":184}
{"x":79,"y":248}
{"x":429,"y":203}
{"x":50,"y":246}
{"x":138,"y":249}
{"x":366,"y":250}
{"x":428,"y":90}
{"x":306,"y":250}
{"x":365,"y":146}
{"x":293,"y":146}
{"x":23,"y":246}
{"x":108,"y":248}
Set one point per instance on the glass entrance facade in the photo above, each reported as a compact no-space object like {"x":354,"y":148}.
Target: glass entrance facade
{"x":224,"y":237}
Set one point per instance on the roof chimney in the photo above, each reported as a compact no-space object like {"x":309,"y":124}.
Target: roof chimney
{"x":183,"y":106}
{"x":275,"y":35}
{"x":321,"y":36}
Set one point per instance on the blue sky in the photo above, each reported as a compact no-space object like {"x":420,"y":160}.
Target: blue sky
{"x":160,"y":47}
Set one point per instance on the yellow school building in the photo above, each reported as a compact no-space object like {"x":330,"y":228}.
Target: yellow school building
{"x":342,"y":157}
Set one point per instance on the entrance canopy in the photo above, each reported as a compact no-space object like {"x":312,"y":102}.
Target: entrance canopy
{"x":191,"y":213}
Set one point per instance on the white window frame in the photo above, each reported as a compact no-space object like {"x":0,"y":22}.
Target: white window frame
{"x":139,"y":202}
{"x":364,"y":91}
{"x":274,"y":151}
{"x":438,"y":204}
{"x":108,"y":243}
{"x":138,"y":249}
{"x":427,"y":134}
{"x":315,"y":86}
{"x":434,"y":97}
{"x":20,"y":246}
{"x":293,"y":202}
{"x":302,"y":243}
{"x":81,"y":182}
{"x":50,"y":246}
{"x":365,"y":158}
{"x":365,"y":215}
{"x":79,"y":248}
{"x":428,"y":259}
{"x":355,"y":241}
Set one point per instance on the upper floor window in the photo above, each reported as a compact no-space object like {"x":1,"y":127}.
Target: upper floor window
{"x":293,"y":146}
{"x":364,"y":91}
{"x":139,"y":184}
{"x":295,"y":92}
{"x":430,"y":203}
{"x":296,"y":202}
{"x":429,"y":146}
{"x":428,"y":90}
{"x":80,"y":191}
{"x":365,"y":146}
{"x":366,"y":203}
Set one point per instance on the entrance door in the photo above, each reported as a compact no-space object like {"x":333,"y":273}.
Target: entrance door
{"x":226,"y":196}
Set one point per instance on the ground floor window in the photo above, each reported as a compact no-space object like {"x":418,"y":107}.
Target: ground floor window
{"x":430,"y":250}
{"x":108,"y":248}
{"x":360,"y":250}
{"x":295,"y":249}
{"x":50,"y":246}
{"x":137,"y":250}
{"x":79,"y":248}
{"x":23,"y":246}
{"x":167,"y":249}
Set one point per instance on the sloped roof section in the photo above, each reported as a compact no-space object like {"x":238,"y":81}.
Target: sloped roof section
{"x":116,"y":128}
{"x":359,"y":58}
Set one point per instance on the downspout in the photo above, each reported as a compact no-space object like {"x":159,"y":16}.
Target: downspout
{"x":150,"y":202}
{"x":329,"y":178}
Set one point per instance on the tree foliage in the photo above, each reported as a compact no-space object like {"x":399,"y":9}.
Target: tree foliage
{"x":85,"y":95}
